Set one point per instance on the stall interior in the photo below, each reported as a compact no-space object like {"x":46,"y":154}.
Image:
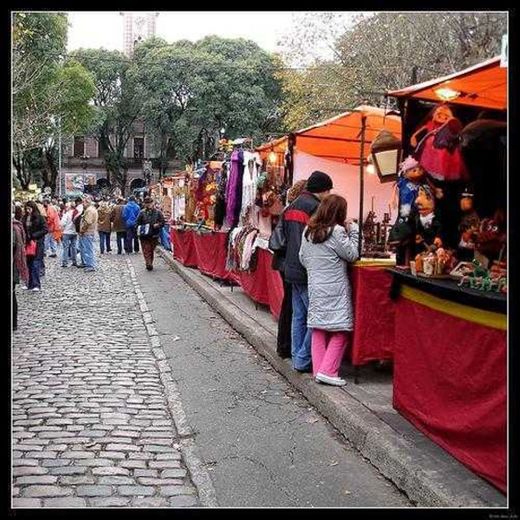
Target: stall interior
{"x":453,"y":194}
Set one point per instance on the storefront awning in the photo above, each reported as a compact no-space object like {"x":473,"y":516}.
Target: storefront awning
{"x":482,"y":85}
{"x":339,"y":138}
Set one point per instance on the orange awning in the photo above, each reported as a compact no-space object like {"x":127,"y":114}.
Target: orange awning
{"x":278,"y":146}
{"x":339,"y":138}
{"x":482,"y":85}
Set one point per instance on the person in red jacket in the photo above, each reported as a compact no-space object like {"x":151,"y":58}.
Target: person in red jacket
{"x":53,"y":226}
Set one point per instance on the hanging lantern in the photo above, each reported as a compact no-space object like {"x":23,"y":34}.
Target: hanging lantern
{"x":272,"y":157}
{"x":386,"y":155}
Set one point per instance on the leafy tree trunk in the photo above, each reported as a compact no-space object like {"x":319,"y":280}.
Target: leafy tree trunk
{"x":23,"y":172}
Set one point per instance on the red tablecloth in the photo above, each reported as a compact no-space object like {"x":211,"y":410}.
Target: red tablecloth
{"x":373,"y":335}
{"x":264,"y":285}
{"x":450,"y":379}
{"x":183,"y":248}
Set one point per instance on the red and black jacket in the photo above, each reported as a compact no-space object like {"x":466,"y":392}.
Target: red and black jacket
{"x":295,"y":218}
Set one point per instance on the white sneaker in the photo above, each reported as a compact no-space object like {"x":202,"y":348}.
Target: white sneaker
{"x":24,"y":287}
{"x":35,"y":289}
{"x":328,"y":380}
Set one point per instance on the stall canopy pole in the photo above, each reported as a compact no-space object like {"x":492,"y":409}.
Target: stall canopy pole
{"x":361,"y":182}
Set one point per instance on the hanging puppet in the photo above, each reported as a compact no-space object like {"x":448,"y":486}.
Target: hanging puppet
{"x":437,"y":146}
{"x":468,"y":227}
{"x":427,"y":226}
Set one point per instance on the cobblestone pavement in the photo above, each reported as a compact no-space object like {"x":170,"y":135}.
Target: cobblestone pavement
{"x":90,"y":415}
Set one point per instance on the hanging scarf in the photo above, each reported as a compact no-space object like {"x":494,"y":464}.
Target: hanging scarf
{"x":19,"y":258}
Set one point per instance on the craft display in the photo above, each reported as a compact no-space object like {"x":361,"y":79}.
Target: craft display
{"x":241,"y":249}
{"x":476,"y":276}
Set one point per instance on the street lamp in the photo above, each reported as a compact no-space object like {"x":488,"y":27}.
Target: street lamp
{"x":385,"y":155}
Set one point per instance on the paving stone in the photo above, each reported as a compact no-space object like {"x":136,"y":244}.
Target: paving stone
{"x":56,"y":462}
{"x":27,"y":502}
{"x":183,"y":501}
{"x":94,"y":491}
{"x":116,"y":480}
{"x":168,"y":456}
{"x":94,"y":462}
{"x":46,"y":491}
{"x":136,"y":490}
{"x":122,"y":447}
{"x":169,"y":491}
{"x":36,"y":479}
{"x":109,"y":502}
{"x":110,"y":470}
{"x":65,"y":502}
{"x":149,"y":502}
{"x":21,"y":471}
{"x":163,"y":464}
{"x":133,"y":463}
{"x":149,"y":481}
{"x":68,"y":470}
{"x":75,"y":480}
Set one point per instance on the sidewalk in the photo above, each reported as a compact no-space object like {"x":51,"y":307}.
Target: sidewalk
{"x":363,"y":413}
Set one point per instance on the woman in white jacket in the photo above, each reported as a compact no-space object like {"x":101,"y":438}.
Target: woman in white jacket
{"x":326,"y":248}
{"x":69,"y":237}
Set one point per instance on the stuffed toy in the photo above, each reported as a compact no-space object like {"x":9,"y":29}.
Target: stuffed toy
{"x":427,"y":226}
{"x":492,"y":237}
{"x":437,"y":146}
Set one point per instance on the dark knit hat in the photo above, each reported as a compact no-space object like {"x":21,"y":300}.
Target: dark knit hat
{"x":318,"y":182}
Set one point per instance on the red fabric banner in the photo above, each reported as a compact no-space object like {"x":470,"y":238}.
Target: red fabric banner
{"x":374,"y":315}
{"x":211,"y":251}
{"x":450,"y":382}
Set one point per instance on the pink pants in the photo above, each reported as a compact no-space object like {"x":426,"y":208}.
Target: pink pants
{"x":327,"y":350}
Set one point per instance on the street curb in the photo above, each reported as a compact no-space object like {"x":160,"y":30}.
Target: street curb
{"x":199,"y":476}
{"x":409,"y":467}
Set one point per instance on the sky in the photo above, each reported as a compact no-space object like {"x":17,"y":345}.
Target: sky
{"x":105,"y":29}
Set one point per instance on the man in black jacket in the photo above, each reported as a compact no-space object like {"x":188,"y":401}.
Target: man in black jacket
{"x":295,"y":218}
{"x":149,"y":223}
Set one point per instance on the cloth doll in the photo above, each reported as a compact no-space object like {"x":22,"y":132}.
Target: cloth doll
{"x":426,"y":225}
{"x":406,"y":189}
{"x":437,"y":146}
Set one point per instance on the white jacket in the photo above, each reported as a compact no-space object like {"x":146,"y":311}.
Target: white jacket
{"x":67,"y":223}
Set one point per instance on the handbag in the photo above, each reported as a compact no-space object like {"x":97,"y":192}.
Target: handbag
{"x":30,"y":248}
{"x":278,"y":240}
{"x":143,"y":230}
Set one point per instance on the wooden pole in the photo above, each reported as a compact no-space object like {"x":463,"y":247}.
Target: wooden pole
{"x":361,"y":182}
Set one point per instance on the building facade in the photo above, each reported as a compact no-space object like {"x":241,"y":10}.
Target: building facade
{"x":83,"y":168}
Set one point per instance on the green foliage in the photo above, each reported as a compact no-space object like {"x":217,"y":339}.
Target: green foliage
{"x":372,"y":53}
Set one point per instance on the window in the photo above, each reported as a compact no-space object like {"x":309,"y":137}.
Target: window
{"x":138,"y":147}
{"x":79,"y":146}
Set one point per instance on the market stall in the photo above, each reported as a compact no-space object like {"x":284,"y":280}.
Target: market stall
{"x":450,"y":360}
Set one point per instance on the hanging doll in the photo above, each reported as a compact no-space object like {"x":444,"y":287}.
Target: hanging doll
{"x":468,"y":227}
{"x":406,"y":188}
{"x":426,"y":225}
{"x":437,"y":146}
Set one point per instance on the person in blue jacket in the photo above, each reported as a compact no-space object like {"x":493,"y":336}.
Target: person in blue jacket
{"x":130,"y":213}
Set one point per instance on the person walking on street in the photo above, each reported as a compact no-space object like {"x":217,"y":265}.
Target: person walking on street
{"x":20,"y":269}
{"x":149,"y":224}
{"x":76,"y":218}
{"x":87,"y":232}
{"x":328,"y":243}
{"x":53,"y":225}
{"x":35,"y":226}
{"x":118,"y":225}
{"x":294,"y":220}
{"x":104,"y":226}
{"x":130,"y":214}
{"x":70,"y":237}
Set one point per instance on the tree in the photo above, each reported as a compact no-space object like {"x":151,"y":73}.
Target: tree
{"x":118,"y":101}
{"x":49,"y":96}
{"x":371,"y":53}
{"x":193,"y":90}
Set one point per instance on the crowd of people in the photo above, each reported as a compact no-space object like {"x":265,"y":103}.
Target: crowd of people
{"x":70,"y":229}
{"x":312,"y":245}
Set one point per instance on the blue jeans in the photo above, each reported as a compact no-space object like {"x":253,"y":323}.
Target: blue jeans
{"x":50,"y":243}
{"x":131,"y":241}
{"x":86,"y":244}
{"x":104,"y":238}
{"x":34,"y":264}
{"x":301,"y":334}
{"x":69,"y":250}
{"x":121,"y":241}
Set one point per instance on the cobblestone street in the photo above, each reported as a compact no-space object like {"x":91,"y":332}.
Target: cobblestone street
{"x":92,"y":423}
